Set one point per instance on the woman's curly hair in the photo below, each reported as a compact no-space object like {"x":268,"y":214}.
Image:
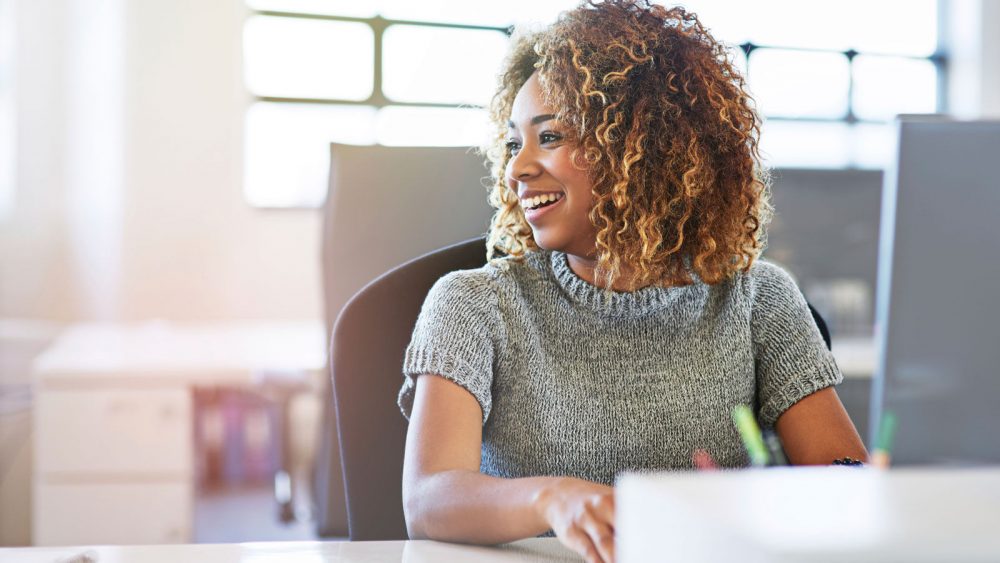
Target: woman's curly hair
{"x":667,"y":130}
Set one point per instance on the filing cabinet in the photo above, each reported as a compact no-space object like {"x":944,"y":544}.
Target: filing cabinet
{"x":113,"y":465}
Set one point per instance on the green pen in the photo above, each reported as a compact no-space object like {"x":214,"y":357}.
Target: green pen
{"x":750,"y":432}
{"x":880,"y":457}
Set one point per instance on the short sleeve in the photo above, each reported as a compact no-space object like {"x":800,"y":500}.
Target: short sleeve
{"x":456,"y":337}
{"x":791,"y":357}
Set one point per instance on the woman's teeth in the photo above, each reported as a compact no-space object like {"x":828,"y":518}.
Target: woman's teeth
{"x":539,"y":200}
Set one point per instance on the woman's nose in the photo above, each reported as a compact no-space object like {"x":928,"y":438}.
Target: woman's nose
{"x":523,"y":166}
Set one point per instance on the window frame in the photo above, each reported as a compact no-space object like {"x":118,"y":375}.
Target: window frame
{"x":379,"y":100}
{"x":378,"y":24}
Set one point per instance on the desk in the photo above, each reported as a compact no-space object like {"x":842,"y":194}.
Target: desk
{"x":533,"y":550}
{"x":114,"y":447}
{"x":813,"y":514}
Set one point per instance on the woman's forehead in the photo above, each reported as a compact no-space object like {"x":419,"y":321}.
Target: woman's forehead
{"x":529,"y":105}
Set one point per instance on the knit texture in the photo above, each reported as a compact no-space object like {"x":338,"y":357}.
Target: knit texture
{"x":572,"y":382}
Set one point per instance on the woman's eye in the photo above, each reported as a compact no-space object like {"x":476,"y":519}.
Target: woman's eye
{"x":512,"y":146}
{"x":549,"y":137}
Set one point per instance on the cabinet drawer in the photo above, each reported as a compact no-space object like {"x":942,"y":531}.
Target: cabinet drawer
{"x":112,"y":513}
{"x":114,"y":432}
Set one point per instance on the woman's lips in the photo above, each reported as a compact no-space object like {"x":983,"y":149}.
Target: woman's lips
{"x":533,"y":215}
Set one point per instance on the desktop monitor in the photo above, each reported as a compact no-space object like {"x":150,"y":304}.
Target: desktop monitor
{"x":938,"y":294}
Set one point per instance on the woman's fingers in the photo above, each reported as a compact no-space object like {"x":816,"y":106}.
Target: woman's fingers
{"x":579,"y":541}
{"x":598,"y":523}
{"x":603,"y":538}
{"x":582,"y":515}
{"x":603,"y":508}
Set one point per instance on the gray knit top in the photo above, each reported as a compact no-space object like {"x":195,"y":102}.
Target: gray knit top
{"x":573,"y":383}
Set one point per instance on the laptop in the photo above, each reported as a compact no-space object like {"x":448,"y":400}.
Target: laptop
{"x":937,"y":314}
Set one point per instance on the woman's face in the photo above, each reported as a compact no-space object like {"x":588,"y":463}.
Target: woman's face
{"x":555,"y":192}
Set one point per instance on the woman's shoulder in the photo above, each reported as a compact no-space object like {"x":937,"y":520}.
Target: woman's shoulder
{"x":512,"y":270}
{"x":769,"y":286}
{"x":462,"y":282}
{"x":493,"y":276}
{"x":764,"y":277}
{"x":767,"y":271}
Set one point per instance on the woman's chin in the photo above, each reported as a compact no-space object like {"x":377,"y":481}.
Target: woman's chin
{"x":546,"y":242}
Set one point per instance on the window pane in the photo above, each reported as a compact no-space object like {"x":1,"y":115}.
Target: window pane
{"x":351,"y":8}
{"x":793,"y":23}
{"x":421,"y":64}
{"x":799,"y":84}
{"x":287,"y":147}
{"x":873,"y":145}
{"x":432,"y":127}
{"x":800,"y":144}
{"x":726,"y":20}
{"x":886,"y":86}
{"x":907,"y":27}
{"x":300,"y":58}
{"x":500,"y":14}
{"x":903,"y":27}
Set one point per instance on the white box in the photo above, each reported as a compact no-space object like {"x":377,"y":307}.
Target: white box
{"x":814,"y":514}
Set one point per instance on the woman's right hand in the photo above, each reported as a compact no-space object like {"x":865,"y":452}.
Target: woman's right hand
{"x":582,"y":515}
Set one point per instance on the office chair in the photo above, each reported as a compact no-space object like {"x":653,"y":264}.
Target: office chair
{"x":369,"y":341}
{"x":366,"y":362}
{"x":384,"y":206}
{"x":824,"y":331}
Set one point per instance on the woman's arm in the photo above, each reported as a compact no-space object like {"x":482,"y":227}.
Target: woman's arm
{"x":445,"y":497}
{"x":817,"y":430}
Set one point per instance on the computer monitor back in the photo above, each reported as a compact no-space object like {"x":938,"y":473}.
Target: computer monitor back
{"x":938,"y":298}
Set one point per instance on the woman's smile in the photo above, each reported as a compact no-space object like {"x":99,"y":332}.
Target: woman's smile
{"x":539,"y":206}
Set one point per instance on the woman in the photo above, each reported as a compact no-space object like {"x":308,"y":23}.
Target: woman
{"x":630,"y":314}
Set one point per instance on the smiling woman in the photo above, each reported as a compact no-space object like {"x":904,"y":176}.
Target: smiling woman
{"x":630,"y":313}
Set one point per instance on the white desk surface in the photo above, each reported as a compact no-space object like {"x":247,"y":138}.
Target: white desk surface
{"x":828,"y":514}
{"x":532,"y":550}
{"x":181,"y":353}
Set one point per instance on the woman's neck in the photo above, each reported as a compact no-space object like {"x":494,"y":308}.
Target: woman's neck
{"x":584,"y":268}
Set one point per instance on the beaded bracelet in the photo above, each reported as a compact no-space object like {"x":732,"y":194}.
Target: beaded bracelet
{"x":848,"y":461}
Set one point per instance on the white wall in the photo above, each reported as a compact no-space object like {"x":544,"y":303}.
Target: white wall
{"x":129,"y":202}
{"x":34,"y":252}
{"x":193,"y":247}
{"x":128,"y":197}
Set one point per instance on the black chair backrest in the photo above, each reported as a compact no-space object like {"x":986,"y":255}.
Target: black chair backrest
{"x":824,"y":331}
{"x":369,"y":341}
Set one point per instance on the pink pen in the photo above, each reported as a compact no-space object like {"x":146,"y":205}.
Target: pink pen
{"x":703,"y":461}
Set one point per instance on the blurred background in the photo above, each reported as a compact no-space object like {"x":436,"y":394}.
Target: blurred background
{"x":166,"y":210}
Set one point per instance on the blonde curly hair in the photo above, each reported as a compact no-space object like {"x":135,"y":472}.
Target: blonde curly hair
{"x":669,"y":134}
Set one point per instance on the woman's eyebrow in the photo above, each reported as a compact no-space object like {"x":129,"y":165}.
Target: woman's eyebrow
{"x":535,"y":120}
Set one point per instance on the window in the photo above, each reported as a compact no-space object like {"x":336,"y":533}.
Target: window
{"x":8,"y":143}
{"x":828,"y":77}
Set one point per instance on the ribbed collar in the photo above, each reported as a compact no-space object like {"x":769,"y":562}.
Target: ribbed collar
{"x":618,"y":303}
